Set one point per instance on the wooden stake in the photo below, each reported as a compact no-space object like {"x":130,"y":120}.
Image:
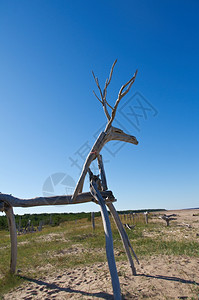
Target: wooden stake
{"x":146,"y":217}
{"x":109,"y":241}
{"x":93,"y":220}
{"x":123,"y":236}
{"x":102,"y":172}
{"x":13,"y":237}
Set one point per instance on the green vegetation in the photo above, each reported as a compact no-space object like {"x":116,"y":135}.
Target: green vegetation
{"x":74,"y":243}
{"x":140,"y":211}
{"x":56,"y":219}
{"x":53,"y":219}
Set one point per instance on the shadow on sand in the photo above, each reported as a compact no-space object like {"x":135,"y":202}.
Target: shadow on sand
{"x":54,"y":288}
{"x":169,"y":278}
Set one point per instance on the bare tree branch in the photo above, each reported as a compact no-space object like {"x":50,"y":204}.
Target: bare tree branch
{"x":130,"y":83}
{"x":108,"y":104}
{"x":121,"y":94}
{"x":123,"y":91}
{"x":103,"y":95}
{"x":97,"y":82}
{"x":103,"y":102}
{"x":97,"y":97}
{"x":110,"y":77}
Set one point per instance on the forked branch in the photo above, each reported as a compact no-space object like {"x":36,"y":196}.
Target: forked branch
{"x":123,"y":91}
{"x":110,"y":133}
{"x":103,"y":95}
{"x":121,"y":94}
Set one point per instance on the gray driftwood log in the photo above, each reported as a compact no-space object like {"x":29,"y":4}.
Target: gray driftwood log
{"x":124,"y":237}
{"x":109,"y":240}
{"x":54,"y":200}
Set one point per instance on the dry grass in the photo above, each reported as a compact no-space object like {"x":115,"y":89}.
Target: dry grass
{"x":75,"y":245}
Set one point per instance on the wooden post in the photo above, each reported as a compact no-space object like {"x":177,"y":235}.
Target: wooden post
{"x":93,"y":220}
{"x":102,"y":172}
{"x":123,"y":236}
{"x":13,"y":237}
{"x":28,"y":226}
{"x":146,"y":217}
{"x":109,"y":241}
{"x":131,"y":247}
{"x":19,"y":230}
{"x":133,"y":216}
{"x":40,"y":226}
{"x":130,"y":218}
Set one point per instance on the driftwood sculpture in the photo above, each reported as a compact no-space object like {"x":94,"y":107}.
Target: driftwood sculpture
{"x":99,"y":192}
{"x":168,"y":218}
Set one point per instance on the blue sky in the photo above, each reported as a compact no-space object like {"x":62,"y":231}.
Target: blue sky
{"x":49,"y":113}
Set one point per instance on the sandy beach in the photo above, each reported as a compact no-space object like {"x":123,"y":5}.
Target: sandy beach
{"x":158,"y":277}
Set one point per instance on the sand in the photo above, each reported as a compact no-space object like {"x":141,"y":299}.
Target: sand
{"x":158,"y":277}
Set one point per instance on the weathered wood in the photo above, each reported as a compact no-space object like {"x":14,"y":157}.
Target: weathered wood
{"x":109,"y":241}
{"x":54,"y":200}
{"x":93,"y":220}
{"x":110,"y":133}
{"x":133,"y":217}
{"x":146,"y":217}
{"x":19,"y":228}
{"x":27,"y":227}
{"x":131,"y":248}
{"x":103,"y":96}
{"x":40,"y":226}
{"x":123,"y":91}
{"x":1,"y":206}
{"x":123,"y":236}
{"x":102,"y":173}
{"x":13,"y":237}
{"x":130,"y":227}
{"x":168,"y":218}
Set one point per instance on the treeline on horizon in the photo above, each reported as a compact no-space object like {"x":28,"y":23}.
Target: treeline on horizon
{"x":55,"y":219}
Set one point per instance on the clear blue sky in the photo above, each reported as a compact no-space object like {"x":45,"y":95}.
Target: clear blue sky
{"x":49,"y":113}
